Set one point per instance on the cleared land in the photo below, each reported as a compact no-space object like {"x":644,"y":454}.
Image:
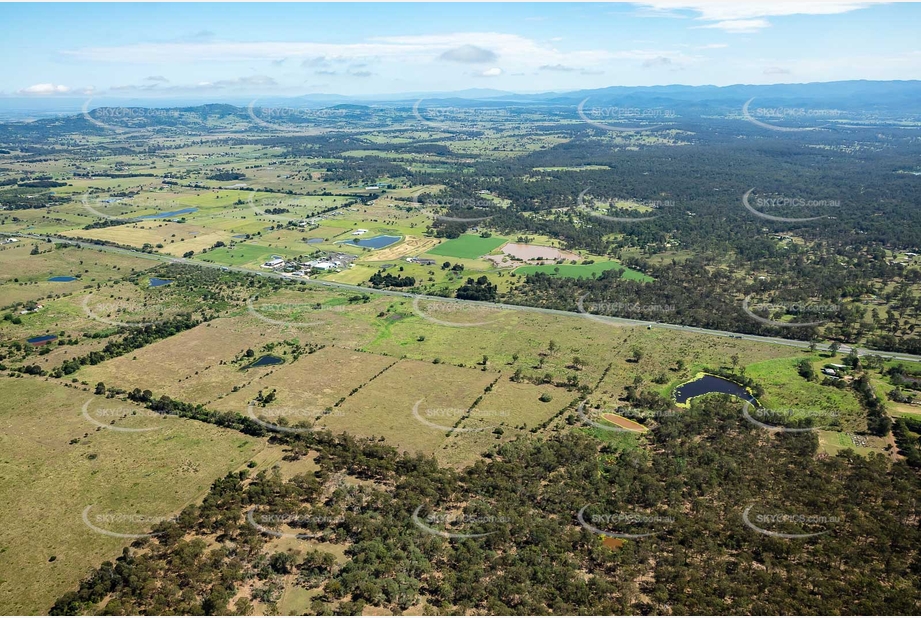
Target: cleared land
{"x":187,"y":366}
{"x":833,"y":442}
{"x":129,"y":478}
{"x":175,"y":238}
{"x":510,"y":410}
{"x":384,"y":407}
{"x":244,"y":254}
{"x":24,"y":277}
{"x":785,"y":389}
{"x":312,"y":382}
{"x":582,"y":270}
{"x":468,"y":246}
{"x":625,"y":423}
{"x":537,"y":252}
{"x":411,"y":246}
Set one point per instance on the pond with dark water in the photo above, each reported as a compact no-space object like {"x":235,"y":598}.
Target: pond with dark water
{"x":41,"y":339}
{"x":711,"y":384}
{"x":266,"y":360}
{"x":172,"y":213}
{"x":375,"y":242}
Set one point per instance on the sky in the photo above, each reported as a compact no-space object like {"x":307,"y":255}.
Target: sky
{"x":227,"y":50}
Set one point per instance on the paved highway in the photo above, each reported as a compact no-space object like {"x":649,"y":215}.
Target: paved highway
{"x":844,"y":349}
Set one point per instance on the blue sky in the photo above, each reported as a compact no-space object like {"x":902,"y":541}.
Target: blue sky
{"x":229,"y":50}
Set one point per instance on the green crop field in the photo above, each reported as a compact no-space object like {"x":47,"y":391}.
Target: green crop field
{"x":468,"y":246}
{"x":243,"y":254}
{"x":785,"y":389}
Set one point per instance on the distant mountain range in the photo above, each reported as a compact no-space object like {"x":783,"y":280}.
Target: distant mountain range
{"x":884,"y":97}
{"x":849,"y":95}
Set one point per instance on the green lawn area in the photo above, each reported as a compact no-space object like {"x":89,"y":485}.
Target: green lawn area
{"x":784,"y":388}
{"x":245,"y":254}
{"x":833,"y":442}
{"x":468,"y":246}
{"x":211,"y":199}
{"x":913,"y":415}
{"x":618,"y":440}
{"x":902,"y":409}
{"x":582,"y":270}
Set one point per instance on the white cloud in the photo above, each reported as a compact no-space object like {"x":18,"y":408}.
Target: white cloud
{"x":247,"y":83}
{"x":841,"y":67}
{"x":319,"y":61}
{"x":716,"y":10}
{"x":514,"y":49}
{"x":201,"y":35}
{"x":658,"y":62}
{"x":748,"y":17}
{"x":557,"y":67}
{"x":740,"y":26}
{"x":652,"y":11}
{"x":135,"y":87}
{"x":469,"y":54}
{"x":413,"y":52}
{"x":47,"y":89}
